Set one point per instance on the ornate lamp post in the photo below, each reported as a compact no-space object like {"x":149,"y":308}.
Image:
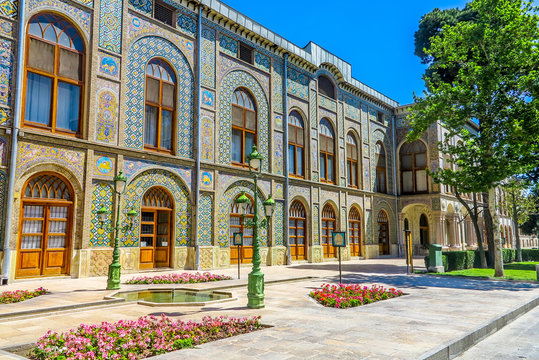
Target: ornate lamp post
{"x":113,"y":282}
{"x":255,"y":285}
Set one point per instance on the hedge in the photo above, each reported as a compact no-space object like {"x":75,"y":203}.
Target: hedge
{"x":530,"y":254}
{"x":444,"y":262}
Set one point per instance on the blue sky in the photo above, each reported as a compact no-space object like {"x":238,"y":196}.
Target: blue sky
{"x":376,"y":37}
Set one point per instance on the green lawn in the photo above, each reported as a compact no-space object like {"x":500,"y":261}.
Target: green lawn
{"x":514,"y":271}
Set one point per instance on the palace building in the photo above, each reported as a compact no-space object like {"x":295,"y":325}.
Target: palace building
{"x":174,"y":93}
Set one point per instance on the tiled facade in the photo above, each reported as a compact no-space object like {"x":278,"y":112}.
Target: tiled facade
{"x":119,"y":45}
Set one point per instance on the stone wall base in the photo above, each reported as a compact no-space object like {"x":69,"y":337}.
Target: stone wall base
{"x":372,"y":251}
{"x":315,"y":254}
{"x":276,"y":256}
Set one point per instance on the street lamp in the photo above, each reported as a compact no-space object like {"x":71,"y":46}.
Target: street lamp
{"x":255,"y":283}
{"x":113,"y":282}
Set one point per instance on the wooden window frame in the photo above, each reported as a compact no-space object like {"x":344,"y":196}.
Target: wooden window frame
{"x":159,"y":108}
{"x":381,"y":170}
{"x":350,"y":162}
{"x":244,"y":129}
{"x":295,"y":147}
{"x":414,"y":170}
{"x":351,"y":222}
{"x":55,"y":78}
{"x":328,"y":220}
{"x":325,"y":154}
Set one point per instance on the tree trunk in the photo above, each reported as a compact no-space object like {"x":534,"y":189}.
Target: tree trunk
{"x":474,"y":216}
{"x":488,"y":230}
{"x":515,"y":226}
{"x":498,"y":257}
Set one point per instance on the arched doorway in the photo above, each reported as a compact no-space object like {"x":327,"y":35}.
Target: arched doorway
{"x":383,"y":233}
{"x":245,"y":253}
{"x":328,"y":227}
{"x":424,"y":230}
{"x":156,"y":229}
{"x":354,"y":228}
{"x":296,"y":228}
{"x":46,"y":219}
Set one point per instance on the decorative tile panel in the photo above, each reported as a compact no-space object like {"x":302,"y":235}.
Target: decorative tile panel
{"x":139,"y":28}
{"x":368,"y":227}
{"x":106,"y":121}
{"x":187,"y":24}
{"x":224,"y":211}
{"x":229,"y":84}
{"x":139,"y":54}
{"x":366,"y":174}
{"x":298,"y":83}
{"x":135,"y":190}
{"x":6,"y":27}
{"x":144,"y":6}
{"x":229,"y":64}
{"x":313,"y":109}
{"x":32,"y":154}
{"x":207,"y":138}
{"x":277,"y":191}
{"x":352,"y":107}
{"x":3,"y":151}
{"x":208,"y":98}
{"x":299,"y":191}
{"x":327,"y":103}
{"x":278,"y":153}
{"x":102,"y":196}
{"x":278,"y":224}
{"x":3,"y":190}
{"x":316,"y":224}
{"x":110,"y":25}
{"x":5,"y":116}
{"x":81,"y":17}
{"x":109,"y":65}
{"x":9,"y":8}
{"x":228,"y":46}
{"x":205,"y":222}
{"x":386,"y":138}
{"x":278,"y":122}
{"x":134,"y":166}
{"x":6,"y":71}
{"x":262,"y":61}
{"x":208,"y":57}
{"x":277,"y":86}
{"x":206,"y":179}
{"x":329,"y":195}
{"x":104,"y":165}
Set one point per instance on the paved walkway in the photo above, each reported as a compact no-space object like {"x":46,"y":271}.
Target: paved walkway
{"x":436,"y":311}
{"x":518,"y":340}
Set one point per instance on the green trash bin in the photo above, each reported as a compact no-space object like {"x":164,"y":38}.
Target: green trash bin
{"x":435,"y":259}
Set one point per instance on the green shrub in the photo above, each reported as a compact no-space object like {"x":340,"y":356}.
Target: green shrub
{"x":530,"y":254}
{"x":509,"y":255}
{"x":459,"y":260}
{"x":427,"y":262}
{"x":444,"y":263}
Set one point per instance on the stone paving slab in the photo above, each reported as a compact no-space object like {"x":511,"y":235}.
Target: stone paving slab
{"x":436,"y":311}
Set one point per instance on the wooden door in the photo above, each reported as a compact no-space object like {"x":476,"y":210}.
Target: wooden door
{"x":155,"y":229}
{"x":245,"y":253}
{"x":296,"y":228}
{"x":354,"y":229}
{"x":45,"y":227}
{"x":383,"y":233}
{"x":328,"y":227}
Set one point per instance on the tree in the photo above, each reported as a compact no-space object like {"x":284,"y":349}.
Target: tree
{"x":491,"y":103}
{"x":520,"y":205}
{"x":529,"y":227}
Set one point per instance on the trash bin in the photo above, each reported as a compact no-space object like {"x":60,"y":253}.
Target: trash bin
{"x":435,"y":259}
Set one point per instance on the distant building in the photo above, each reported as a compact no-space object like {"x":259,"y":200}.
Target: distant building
{"x":130,"y":85}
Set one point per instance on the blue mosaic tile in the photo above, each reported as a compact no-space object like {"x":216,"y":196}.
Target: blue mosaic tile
{"x":110,"y":25}
{"x":205,"y":222}
{"x":208,"y":57}
{"x":102,"y":195}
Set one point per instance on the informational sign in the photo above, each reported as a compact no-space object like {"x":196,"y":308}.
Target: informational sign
{"x":339,"y":239}
{"x":238,"y":239}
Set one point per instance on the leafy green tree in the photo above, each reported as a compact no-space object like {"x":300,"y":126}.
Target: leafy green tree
{"x":529,"y":227}
{"x":521,"y":203}
{"x":495,"y":87}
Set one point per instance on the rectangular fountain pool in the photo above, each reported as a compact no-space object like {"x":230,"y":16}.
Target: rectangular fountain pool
{"x":169,"y":296}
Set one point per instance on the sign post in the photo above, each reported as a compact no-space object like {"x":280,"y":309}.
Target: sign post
{"x":238,"y":241}
{"x":339,"y":241}
{"x":407,"y":235}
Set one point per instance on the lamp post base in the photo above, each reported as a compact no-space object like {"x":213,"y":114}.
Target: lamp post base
{"x":255,"y":294}
{"x":113,"y":282}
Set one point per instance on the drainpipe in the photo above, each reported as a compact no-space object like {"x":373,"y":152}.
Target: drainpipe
{"x":399,"y":242}
{"x":197,"y":172}
{"x":14,"y":140}
{"x":286,"y":183}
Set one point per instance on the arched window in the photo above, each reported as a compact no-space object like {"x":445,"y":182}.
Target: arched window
{"x":380,"y":157}
{"x":326,"y":87}
{"x":424,"y":230}
{"x":329,"y":222}
{"x":327,"y":151}
{"x":352,"y":163}
{"x":245,"y":253}
{"x":354,"y":228}
{"x":297,"y":226}
{"x":54,"y":75}
{"x":243,"y":126}
{"x":45,"y":232}
{"x":413,"y":161}
{"x":383,"y":233}
{"x":155,"y":229}
{"x":160,"y":106}
{"x":295,"y":145}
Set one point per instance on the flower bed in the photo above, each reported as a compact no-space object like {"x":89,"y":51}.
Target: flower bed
{"x":138,"y":339}
{"x":175,"y":278}
{"x":351,"y":295}
{"x":9,"y":297}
